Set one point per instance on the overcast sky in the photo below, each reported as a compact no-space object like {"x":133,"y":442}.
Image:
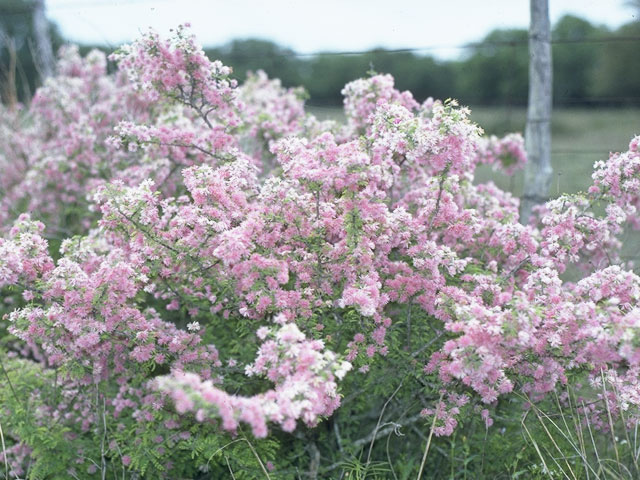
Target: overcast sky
{"x":311,"y":26}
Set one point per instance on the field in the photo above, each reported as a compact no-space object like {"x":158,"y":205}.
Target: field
{"x":580,"y":137}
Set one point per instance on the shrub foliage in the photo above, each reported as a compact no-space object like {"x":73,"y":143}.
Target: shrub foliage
{"x":201,"y":280}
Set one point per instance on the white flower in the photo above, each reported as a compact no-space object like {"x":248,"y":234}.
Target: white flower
{"x":524,"y":337}
{"x":342,"y":370}
{"x":262,"y":333}
{"x":193,"y":326}
{"x":281,"y":319}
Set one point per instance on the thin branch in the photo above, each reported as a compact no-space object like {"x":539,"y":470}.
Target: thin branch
{"x":436,"y":210}
{"x":392,"y":427}
{"x":426,"y":449}
{"x":375,"y":430}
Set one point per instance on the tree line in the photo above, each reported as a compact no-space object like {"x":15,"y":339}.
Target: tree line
{"x":593,"y":65}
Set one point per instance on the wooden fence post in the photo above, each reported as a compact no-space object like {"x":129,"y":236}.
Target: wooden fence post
{"x":538,"y":172}
{"x":44,"y":52}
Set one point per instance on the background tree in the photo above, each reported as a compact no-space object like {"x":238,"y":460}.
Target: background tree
{"x":617,"y":72}
{"x":18,"y":46}
{"x":496,"y":70}
{"x":574,"y":63}
{"x":255,"y":54}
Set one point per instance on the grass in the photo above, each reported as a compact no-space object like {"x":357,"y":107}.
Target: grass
{"x":567,"y":442}
{"x":579,"y":137}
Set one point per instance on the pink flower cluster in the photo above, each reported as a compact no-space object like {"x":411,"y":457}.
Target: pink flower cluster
{"x":505,"y":154}
{"x":618,"y":180}
{"x":25,"y":256}
{"x":363,"y":96}
{"x":270,"y":112}
{"x":178,"y":68}
{"x":304,"y":377}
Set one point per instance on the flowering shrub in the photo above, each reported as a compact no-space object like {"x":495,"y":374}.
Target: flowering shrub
{"x":242,"y":272}
{"x":506,"y":154}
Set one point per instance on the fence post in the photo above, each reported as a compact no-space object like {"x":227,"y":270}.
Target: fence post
{"x":44,"y":57}
{"x":537,"y":178}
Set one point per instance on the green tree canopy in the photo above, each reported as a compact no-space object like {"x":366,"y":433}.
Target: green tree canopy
{"x":496,"y":70}
{"x":574,"y":63}
{"x":617,"y":73}
{"x":18,"y":71}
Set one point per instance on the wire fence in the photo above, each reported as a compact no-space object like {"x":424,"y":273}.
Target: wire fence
{"x":83,"y":5}
{"x":465,"y":46}
{"x":559,"y":99}
{"x":569,"y":157}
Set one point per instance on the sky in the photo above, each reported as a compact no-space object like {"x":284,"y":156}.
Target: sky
{"x":325,"y":25}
